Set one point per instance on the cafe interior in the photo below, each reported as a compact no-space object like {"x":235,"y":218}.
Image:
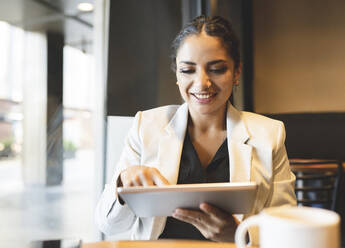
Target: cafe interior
{"x":68,"y":66}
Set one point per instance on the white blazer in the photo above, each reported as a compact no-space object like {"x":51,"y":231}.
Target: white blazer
{"x":256,"y":153}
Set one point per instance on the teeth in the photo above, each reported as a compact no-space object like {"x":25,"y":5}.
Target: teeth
{"x":203,"y":96}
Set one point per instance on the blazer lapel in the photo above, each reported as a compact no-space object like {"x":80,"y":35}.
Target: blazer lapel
{"x":169,"y":156}
{"x":240,"y":153}
{"x":171,"y":144}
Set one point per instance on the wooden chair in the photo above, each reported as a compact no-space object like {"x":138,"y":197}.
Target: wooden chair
{"x":317,"y":182}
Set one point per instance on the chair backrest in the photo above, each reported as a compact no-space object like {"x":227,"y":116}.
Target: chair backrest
{"x":117,"y":130}
{"x":317,"y":182}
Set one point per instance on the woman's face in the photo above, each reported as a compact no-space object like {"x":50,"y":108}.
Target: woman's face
{"x":205,"y":74}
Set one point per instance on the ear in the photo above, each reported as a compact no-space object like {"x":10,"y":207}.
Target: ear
{"x":237,"y":74}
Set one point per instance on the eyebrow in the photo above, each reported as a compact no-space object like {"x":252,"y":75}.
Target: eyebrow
{"x":208,"y":63}
{"x":188,"y":62}
{"x":216,"y":62}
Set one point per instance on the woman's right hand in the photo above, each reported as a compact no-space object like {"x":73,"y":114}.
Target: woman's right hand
{"x":142,"y":176}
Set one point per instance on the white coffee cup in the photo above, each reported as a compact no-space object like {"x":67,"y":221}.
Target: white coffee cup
{"x":293,"y":227}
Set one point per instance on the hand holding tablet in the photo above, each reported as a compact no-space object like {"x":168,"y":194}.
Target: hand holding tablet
{"x":149,"y":201}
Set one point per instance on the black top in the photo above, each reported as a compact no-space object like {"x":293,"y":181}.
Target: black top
{"x":191,"y":171}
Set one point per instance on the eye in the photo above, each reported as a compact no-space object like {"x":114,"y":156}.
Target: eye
{"x":187,"y":71}
{"x":220,"y":70}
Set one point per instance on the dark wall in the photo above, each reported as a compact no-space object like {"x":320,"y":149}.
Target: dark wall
{"x":139,"y":75}
{"x":239,"y":12}
{"x":314,"y":135}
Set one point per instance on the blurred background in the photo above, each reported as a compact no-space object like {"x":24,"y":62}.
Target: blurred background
{"x":67,"y":64}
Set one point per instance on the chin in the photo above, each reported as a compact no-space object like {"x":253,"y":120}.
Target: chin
{"x":206,"y":110}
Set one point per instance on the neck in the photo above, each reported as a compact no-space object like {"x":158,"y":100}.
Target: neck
{"x":208,"y":122}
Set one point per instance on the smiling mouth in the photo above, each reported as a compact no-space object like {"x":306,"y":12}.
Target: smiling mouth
{"x":203,"y":96}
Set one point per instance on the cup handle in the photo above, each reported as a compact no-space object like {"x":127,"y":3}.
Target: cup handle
{"x":242,"y":229}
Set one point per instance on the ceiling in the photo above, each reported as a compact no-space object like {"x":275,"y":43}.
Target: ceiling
{"x":51,"y":15}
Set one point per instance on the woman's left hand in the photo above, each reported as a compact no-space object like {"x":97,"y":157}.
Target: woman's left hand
{"x":213,"y":223}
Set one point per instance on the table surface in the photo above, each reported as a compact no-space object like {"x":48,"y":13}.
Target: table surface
{"x":159,"y":244}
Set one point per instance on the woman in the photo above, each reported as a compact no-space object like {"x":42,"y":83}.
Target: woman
{"x":204,"y":140}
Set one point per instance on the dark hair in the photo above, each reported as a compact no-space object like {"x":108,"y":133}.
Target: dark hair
{"x":214,"y":26}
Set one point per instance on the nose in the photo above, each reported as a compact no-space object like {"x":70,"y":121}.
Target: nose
{"x":202,"y":80}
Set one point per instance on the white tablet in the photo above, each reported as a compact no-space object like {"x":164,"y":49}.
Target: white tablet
{"x":235,"y":198}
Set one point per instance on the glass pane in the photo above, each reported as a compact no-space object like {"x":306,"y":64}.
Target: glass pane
{"x":29,"y":209}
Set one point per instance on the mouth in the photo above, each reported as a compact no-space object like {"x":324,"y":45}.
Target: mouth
{"x":204,"y":97}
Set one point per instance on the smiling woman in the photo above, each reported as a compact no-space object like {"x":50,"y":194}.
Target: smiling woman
{"x":205,"y":140}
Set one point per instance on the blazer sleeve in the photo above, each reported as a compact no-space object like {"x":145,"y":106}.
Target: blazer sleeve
{"x":111,"y":217}
{"x":283,"y":180}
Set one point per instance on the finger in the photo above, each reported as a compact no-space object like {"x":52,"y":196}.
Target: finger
{"x":214,"y":212}
{"x":158,"y":179}
{"x":125,"y":181}
{"x":195,"y":220}
{"x":146,"y":180}
{"x":188,"y":212}
{"x":195,"y":215}
{"x":126,"y":184}
{"x":129,"y":179}
{"x":137,"y":181}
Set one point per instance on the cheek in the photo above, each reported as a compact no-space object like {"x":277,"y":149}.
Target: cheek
{"x":225,"y":87}
{"x":182,"y":79}
{"x":182,"y":88}
{"x":183,"y":83}
{"x":183,"y":93}
{"x":228,"y":86}
{"x":227,"y":81}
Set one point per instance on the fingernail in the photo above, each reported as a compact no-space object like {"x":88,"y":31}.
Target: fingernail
{"x":177,"y":211}
{"x":177,"y":216}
